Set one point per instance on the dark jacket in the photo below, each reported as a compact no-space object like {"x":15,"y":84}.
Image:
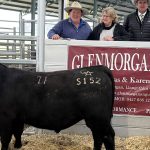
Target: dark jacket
{"x":138,"y":31}
{"x":120,"y":34}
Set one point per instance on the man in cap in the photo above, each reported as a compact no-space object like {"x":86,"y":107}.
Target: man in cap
{"x":74,"y":27}
{"x":138,"y":22}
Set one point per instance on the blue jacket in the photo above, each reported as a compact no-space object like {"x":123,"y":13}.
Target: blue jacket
{"x":66,"y":29}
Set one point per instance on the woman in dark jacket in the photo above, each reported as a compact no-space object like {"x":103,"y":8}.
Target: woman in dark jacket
{"x":109,"y":29}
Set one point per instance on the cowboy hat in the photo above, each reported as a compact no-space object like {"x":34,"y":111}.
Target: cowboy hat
{"x":76,"y":5}
{"x":135,"y":2}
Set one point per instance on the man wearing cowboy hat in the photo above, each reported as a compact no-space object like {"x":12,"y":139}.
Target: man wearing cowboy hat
{"x":74,"y":27}
{"x":138,"y":22}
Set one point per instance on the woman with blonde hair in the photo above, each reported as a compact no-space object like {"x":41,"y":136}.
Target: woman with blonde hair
{"x":109,"y":29}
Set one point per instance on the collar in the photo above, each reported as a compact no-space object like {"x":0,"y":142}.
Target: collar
{"x":108,"y":28}
{"x":81,"y":21}
{"x":139,"y":14}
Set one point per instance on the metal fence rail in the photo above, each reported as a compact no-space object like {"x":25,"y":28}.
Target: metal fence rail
{"x":18,"y":50}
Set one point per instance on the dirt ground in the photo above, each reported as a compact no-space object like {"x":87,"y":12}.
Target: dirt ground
{"x":78,"y":142}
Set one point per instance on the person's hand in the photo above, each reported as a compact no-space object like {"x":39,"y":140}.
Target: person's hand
{"x":108,"y":38}
{"x":55,"y":37}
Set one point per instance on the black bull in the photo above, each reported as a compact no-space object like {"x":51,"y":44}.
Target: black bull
{"x":55,"y":101}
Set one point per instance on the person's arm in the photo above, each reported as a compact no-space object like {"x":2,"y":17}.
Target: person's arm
{"x":121,"y":34}
{"x":88,"y":30}
{"x":55,"y":32}
{"x":126,"y":23}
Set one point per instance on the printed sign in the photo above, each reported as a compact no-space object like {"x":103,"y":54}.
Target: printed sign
{"x":131,"y":70}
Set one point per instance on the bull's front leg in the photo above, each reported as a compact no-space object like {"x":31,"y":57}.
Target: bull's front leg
{"x":17,"y":131}
{"x":5,"y":140}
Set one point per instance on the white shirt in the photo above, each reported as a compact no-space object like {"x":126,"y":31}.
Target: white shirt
{"x":107,"y":33}
{"x":140,"y":15}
